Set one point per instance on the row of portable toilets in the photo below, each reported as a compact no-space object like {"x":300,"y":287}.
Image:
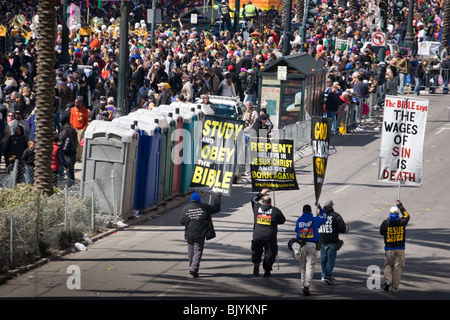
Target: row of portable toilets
{"x":148,"y":155}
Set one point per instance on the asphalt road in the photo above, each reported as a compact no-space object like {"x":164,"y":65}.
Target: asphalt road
{"x":149,"y":260}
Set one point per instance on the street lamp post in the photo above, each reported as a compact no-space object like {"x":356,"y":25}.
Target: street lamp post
{"x":122,"y":108}
{"x":237,"y":4}
{"x":409,"y":37}
{"x":64,"y":57}
{"x":287,"y":28}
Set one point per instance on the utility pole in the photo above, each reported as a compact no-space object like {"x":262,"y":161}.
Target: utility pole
{"x":122,"y":107}
{"x":237,"y":4}
{"x":308,"y":19}
{"x":383,"y":28}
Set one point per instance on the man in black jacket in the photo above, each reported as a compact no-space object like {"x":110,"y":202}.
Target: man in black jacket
{"x":332,"y":104}
{"x":260,"y":128}
{"x":265,"y":229}
{"x":329,"y":240}
{"x":198,"y":227}
{"x":393,"y":230}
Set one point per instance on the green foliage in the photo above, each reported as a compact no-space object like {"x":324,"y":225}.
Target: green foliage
{"x":64,"y":218}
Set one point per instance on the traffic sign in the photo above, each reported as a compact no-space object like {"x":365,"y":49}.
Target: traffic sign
{"x":378,"y":39}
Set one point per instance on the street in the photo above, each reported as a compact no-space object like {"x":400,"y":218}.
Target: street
{"x":149,"y":260}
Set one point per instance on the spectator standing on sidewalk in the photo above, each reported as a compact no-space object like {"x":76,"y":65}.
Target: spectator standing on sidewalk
{"x":79,"y":119}
{"x":28,"y":162}
{"x":435,"y":71}
{"x":403,"y":68}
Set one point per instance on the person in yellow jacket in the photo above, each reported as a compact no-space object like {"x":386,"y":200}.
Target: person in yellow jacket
{"x":242,"y":12}
{"x":250,"y":11}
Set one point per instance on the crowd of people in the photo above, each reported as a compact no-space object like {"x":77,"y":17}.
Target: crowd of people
{"x":182,"y":62}
{"x":186,"y":63}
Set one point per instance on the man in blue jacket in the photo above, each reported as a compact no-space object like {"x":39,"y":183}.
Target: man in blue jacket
{"x":307,"y":229}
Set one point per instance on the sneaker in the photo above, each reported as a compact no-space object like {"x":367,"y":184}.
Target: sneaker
{"x":267,"y":274}
{"x":306,"y":291}
{"x":394,"y":289}
{"x":328,"y":280}
{"x":297,"y":254}
{"x":194,"y":274}
{"x":387,"y":286}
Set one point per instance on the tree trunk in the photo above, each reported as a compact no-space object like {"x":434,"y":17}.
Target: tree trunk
{"x":45,"y":96}
{"x":445,"y":24}
{"x":281,"y":10}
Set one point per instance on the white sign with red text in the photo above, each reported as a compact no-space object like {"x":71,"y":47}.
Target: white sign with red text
{"x":402,"y":137}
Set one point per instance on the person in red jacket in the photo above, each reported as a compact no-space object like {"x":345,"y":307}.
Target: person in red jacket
{"x":57,"y":159}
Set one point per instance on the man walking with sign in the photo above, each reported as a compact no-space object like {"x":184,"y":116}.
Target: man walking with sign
{"x":265,"y":229}
{"x":196,"y":218}
{"x":393,"y":231}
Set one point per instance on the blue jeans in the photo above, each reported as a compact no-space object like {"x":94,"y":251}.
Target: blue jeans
{"x":29,"y":174}
{"x":332,"y":115}
{"x":248,"y":97}
{"x":435,"y":84}
{"x":402,"y":78}
{"x":328,"y":254}
{"x":417,"y":85}
{"x":445,"y":79}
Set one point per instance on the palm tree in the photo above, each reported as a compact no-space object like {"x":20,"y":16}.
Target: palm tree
{"x":299,"y":10}
{"x":445,"y":24}
{"x":45,"y":93}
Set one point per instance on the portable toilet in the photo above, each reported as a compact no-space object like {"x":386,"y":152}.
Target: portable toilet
{"x":110,"y":152}
{"x":189,"y":140}
{"x":197,"y":109}
{"x":148,"y":162}
{"x":176,"y":137}
{"x":167,"y":146}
